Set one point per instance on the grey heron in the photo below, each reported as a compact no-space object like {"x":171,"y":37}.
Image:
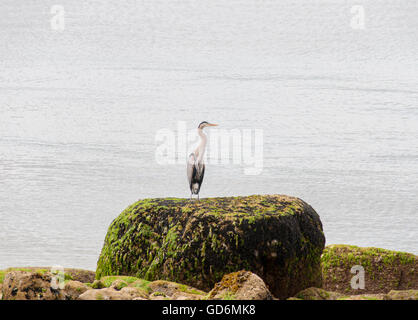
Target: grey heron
{"x":195,"y":164}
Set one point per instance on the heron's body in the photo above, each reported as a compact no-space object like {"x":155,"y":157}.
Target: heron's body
{"x":195,"y":173}
{"x":195,"y":164}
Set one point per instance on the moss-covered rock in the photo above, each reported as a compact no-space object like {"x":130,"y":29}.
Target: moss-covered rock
{"x":385,"y":270}
{"x":23,"y":285}
{"x":117,"y":281}
{"x":240,"y":285}
{"x":175,"y":291}
{"x":279,"y":238}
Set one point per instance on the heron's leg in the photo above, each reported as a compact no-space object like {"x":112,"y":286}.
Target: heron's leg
{"x":198,"y":197}
{"x":191,"y":196}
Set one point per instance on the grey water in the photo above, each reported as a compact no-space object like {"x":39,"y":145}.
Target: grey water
{"x":80,"y":109}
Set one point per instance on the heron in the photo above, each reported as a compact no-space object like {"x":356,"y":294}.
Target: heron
{"x":195,"y":164}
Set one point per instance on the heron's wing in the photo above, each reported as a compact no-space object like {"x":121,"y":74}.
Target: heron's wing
{"x":191,"y":168}
{"x":201,"y":172}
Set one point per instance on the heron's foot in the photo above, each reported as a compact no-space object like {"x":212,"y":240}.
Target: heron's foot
{"x":191,"y":198}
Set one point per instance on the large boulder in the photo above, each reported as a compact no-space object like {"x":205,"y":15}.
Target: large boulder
{"x":277,"y":237}
{"x":384,"y":270}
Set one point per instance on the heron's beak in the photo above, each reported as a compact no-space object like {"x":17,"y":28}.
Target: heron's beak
{"x":212,"y":124}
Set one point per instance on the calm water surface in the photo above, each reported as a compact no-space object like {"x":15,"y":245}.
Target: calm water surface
{"x":80,"y":110}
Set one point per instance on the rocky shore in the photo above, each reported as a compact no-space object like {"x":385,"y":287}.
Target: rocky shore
{"x":252,"y":248}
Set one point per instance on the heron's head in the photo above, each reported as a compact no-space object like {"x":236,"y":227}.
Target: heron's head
{"x":205,"y":124}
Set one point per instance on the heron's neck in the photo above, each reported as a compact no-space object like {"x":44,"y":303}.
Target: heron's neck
{"x":200,"y":151}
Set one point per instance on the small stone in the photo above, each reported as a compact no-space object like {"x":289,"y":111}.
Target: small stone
{"x":241,"y":285}
{"x":403,"y":295}
{"x":317,"y":294}
{"x":73,"y":289}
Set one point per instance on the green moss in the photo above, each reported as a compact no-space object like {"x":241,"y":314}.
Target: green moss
{"x":97,"y":284}
{"x":107,"y":281}
{"x":228,"y":296}
{"x":188,"y":289}
{"x":158,"y":294}
{"x":142,"y":284}
{"x":349,"y":255}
